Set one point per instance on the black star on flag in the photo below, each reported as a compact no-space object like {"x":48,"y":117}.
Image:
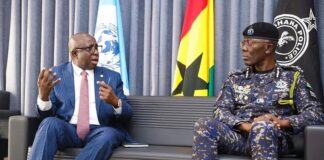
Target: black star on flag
{"x":190,"y":80}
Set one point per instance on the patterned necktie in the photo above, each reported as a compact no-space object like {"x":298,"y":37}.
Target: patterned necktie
{"x":83,"y":115}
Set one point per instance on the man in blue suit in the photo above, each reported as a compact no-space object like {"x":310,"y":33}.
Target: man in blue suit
{"x":61,"y":97}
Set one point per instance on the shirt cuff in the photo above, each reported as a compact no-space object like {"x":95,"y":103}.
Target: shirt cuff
{"x":44,"y":105}
{"x":119,"y":109}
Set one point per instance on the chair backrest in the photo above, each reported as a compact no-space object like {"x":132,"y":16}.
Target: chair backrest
{"x":167,"y":120}
{"x":4,"y":100}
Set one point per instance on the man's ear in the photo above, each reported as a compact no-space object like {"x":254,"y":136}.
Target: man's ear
{"x":269,"y":48}
{"x":74,"y":53}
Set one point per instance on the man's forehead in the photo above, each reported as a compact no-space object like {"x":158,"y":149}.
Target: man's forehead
{"x":79,"y":40}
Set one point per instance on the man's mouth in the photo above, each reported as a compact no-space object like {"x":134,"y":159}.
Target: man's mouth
{"x":94,"y":61}
{"x":245,"y":58}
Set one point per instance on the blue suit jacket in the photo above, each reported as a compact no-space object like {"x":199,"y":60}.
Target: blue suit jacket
{"x":63,"y":97}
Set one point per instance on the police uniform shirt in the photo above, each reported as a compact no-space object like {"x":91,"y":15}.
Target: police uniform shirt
{"x":247,"y":94}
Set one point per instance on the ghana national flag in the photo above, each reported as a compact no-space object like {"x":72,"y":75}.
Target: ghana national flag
{"x":194,"y":74}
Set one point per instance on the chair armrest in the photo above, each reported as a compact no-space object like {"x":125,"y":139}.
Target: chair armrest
{"x":22,"y":131}
{"x":314,"y":143}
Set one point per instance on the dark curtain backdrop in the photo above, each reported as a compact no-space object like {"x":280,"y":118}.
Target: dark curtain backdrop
{"x":34,"y":34}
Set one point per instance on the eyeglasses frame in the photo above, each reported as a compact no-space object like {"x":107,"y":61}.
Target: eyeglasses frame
{"x":92,"y":48}
{"x":250,"y":42}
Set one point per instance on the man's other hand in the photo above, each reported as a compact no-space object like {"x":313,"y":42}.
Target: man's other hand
{"x":280,"y":123}
{"x":46,"y":83}
{"x":245,"y":127}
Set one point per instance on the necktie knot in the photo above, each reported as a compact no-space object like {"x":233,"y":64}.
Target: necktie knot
{"x":84,"y":74}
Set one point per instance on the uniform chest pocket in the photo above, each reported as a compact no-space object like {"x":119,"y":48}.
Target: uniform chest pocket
{"x":280,"y":91}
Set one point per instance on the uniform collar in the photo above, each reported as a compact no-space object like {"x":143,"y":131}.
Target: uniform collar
{"x":250,"y":70}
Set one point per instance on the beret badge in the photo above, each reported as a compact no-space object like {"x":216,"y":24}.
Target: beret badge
{"x":250,"y":31}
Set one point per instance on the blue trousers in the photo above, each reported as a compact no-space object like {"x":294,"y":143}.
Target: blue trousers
{"x":54,"y":134}
{"x":262,"y":143}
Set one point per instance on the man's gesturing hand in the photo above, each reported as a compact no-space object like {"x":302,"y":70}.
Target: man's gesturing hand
{"x":46,"y":83}
{"x":107,"y":94}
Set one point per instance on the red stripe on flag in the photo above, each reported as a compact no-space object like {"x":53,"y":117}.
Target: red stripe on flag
{"x":194,"y":8}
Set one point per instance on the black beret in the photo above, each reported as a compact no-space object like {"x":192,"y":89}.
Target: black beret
{"x":262,"y":30}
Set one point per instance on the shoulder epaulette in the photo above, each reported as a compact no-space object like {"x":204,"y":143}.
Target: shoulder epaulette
{"x":293,"y":68}
{"x":237,"y":72}
{"x":245,"y":70}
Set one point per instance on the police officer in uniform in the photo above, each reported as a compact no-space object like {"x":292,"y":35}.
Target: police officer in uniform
{"x":259,"y":106}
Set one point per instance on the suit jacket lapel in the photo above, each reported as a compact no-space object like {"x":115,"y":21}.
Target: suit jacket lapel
{"x":97,"y":77}
{"x":69,"y":83}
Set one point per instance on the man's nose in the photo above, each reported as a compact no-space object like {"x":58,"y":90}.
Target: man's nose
{"x":244,"y":48}
{"x":96,"y":52}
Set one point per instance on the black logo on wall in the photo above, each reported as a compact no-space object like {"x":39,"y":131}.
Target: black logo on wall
{"x":294,"y":36}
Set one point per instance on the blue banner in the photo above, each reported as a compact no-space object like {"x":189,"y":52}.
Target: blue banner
{"x":109,"y":34}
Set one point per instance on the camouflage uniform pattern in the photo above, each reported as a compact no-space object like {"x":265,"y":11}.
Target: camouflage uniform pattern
{"x":246,"y":95}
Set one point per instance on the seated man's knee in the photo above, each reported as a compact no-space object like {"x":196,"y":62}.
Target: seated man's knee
{"x":202,"y":123}
{"x":50,"y":123}
{"x":207,"y":124}
{"x":108,"y":135}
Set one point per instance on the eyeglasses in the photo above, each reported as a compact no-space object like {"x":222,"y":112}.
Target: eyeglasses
{"x":250,"y":42}
{"x":92,"y":48}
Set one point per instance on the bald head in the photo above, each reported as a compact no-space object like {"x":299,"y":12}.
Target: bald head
{"x":77,"y":40}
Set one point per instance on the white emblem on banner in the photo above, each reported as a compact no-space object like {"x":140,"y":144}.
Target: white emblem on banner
{"x":294,"y":36}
